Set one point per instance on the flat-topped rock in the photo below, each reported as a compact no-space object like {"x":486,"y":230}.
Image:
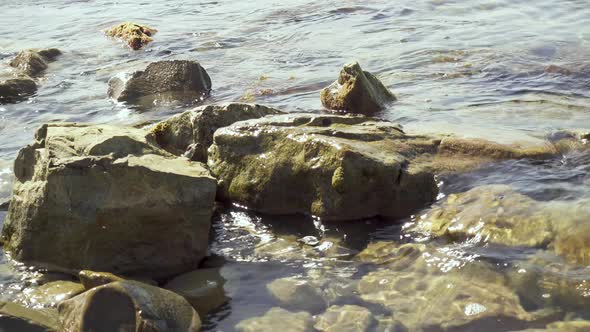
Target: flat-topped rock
{"x":104,"y":198}
{"x":162,"y":81}
{"x":191,"y":133}
{"x":356,"y":91}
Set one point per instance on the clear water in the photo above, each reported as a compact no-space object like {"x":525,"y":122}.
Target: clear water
{"x":471,"y":68}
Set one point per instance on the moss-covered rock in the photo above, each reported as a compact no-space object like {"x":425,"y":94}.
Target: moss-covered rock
{"x":356,"y":91}
{"x":128,"y":306}
{"x":34,"y":62}
{"x":16,"y":89}
{"x":277,"y":319}
{"x":134,"y":35}
{"x":103,"y":198}
{"x":191,"y":133}
{"x":163,"y":81}
{"x":202,"y":288}
{"x":14,"y":317}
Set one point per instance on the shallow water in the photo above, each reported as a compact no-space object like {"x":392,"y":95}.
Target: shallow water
{"x":471,"y":68}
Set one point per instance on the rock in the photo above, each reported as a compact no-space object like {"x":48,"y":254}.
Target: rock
{"x":491,"y":213}
{"x":91,"y":279}
{"x":51,"y":293}
{"x":297,"y":294}
{"x":16,"y":90}
{"x":191,"y":133}
{"x":356,"y":91}
{"x":346,"y":318}
{"x":135,"y":35}
{"x":333,"y":167}
{"x":569,"y":326}
{"x":14,"y":317}
{"x":424,"y":290}
{"x":104,"y":198}
{"x":128,"y":306}
{"x":34,"y":62}
{"x":177,"y":80}
{"x":278,"y":319}
{"x":202,"y":288}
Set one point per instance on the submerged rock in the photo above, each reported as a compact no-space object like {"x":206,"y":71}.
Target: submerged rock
{"x":356,"y":91}
{"x":16,"y":90}
{"x":191,"y":133}
{"x":51,"y":293}
{"x":135,"y":35}
{"x":333,"y":167}
{"x":277,"y":319}
{"x":34,"y":62}
{"x":202,"y":288}
{"x":346,"y":318}
{"x":297,"y":294}
{"x":104,"y":198}
{"x":128,"y":306}
{"x":176,"y":80}
{"x":14,"y":317}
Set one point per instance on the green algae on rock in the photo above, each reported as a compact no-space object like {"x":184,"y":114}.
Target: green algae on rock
{"x":136,"y":36}
{"x":129,"y":306}
{"x":166,"y":81}
{"x":278,"y":319}
{"x":356,"y":91}
{"x":16,"y":89}
{"x":191,"y":133}
{"x":14,"y":317}
{"x":103,"y":198}
{"x":34,"y":62}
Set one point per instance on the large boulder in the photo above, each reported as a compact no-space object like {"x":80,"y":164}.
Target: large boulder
{"x":104,"y":198}
{"x":356,"y":91}
{"x":191,"y":133}
{"x":128,"y":306}
{"x":278,"y":319}
{"x":333,"y":167}
{"x":15,"y":90}
{"x":176,"y":80}
{"x":134,"y":35}
{"x":34,"y":62}
{"x":14,"y":317}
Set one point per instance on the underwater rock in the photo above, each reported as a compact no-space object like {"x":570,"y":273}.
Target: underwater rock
{"x":175,"y":80}
{"x":191,"y":133}
{"x":333,"y":167}
{"x":104,"y":198}
{"x":356,"y":91}
{"x":14,"y":317}
{"x":277,"y":319}
{"x":34,"y":62}
{"x":128,"y":306}
{"x":202,"y":288}
{"x":297,"y":294}
{"x":16,"y":90}
{"x":51,"y":293}
{"x":136,"y":36}
{"x":346,"y":318}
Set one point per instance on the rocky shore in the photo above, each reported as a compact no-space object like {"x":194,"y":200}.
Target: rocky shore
{"x":123,"y":214}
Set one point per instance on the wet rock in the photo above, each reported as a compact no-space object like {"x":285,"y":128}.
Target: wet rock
{"x":356,"y":91}
{"x":277,"y":319}
{"x":14,"y":317}
{"x":104,"y":198}
{"x":424,"y":289}
{"x":176,"y":80}
{"x":52,"y":293}
{"x":191,"y":133}
{"x":202,"y":288}
{"x":128,"y":306}
{"x":91,"y":279}
{"x":16,"y":90}
{"x":333,"y":167}
{"x":493,"y":213}
{"x":136,"y":36}
{"x":34,"y":62}
{"x":297,"y":294}
{"x":346,"y":318}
